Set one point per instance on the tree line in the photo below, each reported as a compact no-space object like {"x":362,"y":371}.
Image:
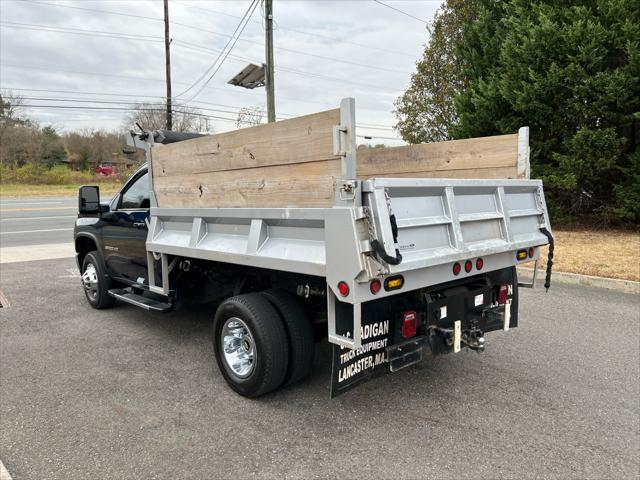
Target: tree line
{"x":29,"y":150}
{"x":569,"y":70}
{"x":26,"y":144}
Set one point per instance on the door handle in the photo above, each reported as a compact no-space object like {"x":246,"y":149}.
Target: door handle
{"x":139,"y":224}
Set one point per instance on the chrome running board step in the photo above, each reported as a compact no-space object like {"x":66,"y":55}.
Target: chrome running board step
{"x":127,"y":295}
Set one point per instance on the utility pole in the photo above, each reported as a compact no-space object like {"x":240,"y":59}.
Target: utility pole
{"x":167,"y":54}
{"x":269,"y":78}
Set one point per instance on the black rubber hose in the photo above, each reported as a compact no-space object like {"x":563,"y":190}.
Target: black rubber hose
{"x":547,"y":280}
{"x":379,"y":249}
{"x":394,"y":228}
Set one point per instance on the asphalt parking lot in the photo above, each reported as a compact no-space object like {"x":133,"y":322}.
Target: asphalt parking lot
{"x":123,"y":393}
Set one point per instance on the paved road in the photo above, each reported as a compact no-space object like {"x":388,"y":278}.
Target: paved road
{"x":123,"y":393}
{"x":35,"y":221}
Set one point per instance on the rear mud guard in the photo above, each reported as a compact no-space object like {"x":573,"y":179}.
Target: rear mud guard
{"x":375,"y":327}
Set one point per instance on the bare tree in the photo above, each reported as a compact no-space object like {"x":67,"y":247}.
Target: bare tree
{"x":18,"y":141}
{"x":11,"y":109}
{"x":152,"y":116}
{"x":250,"y":116}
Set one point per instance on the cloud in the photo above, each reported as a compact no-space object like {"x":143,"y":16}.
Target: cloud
{"x":349,"y":48}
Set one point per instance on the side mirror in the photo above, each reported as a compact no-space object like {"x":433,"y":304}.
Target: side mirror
{"x":89,"y":200}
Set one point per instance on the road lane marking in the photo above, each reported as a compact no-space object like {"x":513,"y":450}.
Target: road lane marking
{"x":4,"y":473}
{"x":68,"y":229}
{"x":33,"y":209}
{"x":18,"y":202}
{"x":30,"y":253}
{"x":55,"y":217}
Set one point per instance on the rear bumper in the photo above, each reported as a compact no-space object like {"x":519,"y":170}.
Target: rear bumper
{"x":451,"y":317}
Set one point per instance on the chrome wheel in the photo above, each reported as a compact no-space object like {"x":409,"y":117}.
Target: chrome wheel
{"x":90,"y":281}
{"x":238,"y":347}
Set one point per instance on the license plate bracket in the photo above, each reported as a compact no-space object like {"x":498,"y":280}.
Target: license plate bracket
{"x":406,"y":353}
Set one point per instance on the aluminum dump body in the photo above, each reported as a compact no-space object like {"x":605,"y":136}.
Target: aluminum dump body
{"x":366,"y":228}
{"x":439,"y":221}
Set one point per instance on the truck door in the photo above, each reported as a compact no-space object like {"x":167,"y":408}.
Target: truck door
{"x":125,"y":232}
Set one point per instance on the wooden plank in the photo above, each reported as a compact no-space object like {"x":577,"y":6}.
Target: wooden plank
{"x":309,"y":184}
{"x":468,"y":154}
{"x":491,"y":172}
{"x":303,"y":139}
{"x":291,"y":164}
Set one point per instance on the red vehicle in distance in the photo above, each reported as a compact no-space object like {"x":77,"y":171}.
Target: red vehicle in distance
{"x":105,"y":170}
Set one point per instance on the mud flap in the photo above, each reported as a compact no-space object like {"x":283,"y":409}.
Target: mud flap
{"x":352,"y":367}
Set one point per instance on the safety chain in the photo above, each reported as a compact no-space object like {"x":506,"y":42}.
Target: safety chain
{"x":388,"y":200}
{"x":378,"y":248}
{"x":370,"y":225}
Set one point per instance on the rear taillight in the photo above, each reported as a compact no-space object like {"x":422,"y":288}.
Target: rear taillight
{"x":479,"y":263}
{"x":456,"y":268}
{"x":409,"y":324}
{"x":375,"y":286}
{"x":503,"y":293}
{"x":343,"y":288}
{"x":531,"y":252}
{"x":468,"y":266}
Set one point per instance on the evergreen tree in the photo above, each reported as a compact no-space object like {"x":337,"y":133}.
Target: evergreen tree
{"x":426,"y":112}
{"x":570,"y":70}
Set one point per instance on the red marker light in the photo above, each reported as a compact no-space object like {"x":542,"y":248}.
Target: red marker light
{"x":503,"y":293}
{"x":456,"y":268}
{"x":409,"y":324}
{"x":468,"y":266}
{"x":343,"y":288}
{"x":375,"y":286}
{"x":479,"y":264}
{"x":531,"y":252}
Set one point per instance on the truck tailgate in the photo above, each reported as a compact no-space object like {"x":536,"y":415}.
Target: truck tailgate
{"x":444,"y":220}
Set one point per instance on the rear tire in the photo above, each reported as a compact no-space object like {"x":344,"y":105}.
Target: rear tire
{"x":96,"y":282}
{"x":299,"y":333}
{"x":250,"y":344}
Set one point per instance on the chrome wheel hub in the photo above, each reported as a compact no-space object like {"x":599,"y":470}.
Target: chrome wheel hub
{"x":90,"y":281}
{"x":238,"y":347}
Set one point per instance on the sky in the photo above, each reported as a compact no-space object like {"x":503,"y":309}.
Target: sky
{"x":81,"y":52}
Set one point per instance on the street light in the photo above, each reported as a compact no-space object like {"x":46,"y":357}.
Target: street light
{"x":250,"y":77}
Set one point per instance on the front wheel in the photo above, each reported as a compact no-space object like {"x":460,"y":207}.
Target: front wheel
{"x":250,"y":344}
{"x":95,"y":282}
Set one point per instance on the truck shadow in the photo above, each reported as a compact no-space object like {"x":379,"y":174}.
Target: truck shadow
{"x":436,"y":379}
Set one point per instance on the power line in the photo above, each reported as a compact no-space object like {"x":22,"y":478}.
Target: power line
{"x":114,"y":102}
{"x":159,"y":104}
{"x":129,"y":77}
{"x":196,"y":47}
{"x":371,"y":126}
{"x":252,"y":7}
{"x":402,"y":12}
{"x":304,"y":73}
{"x":74,"y":107}
{"x":204,"y":74}
{"x":298,"y":52}
{"x":302,"y":32}
{"x":215,"y":117}
{"x":79,"y":31}
{"x":147,"y":79}
{"x":133,"y":96}
{"x":371,"y":137}
{"x":284,"y":49}
{"x":95,"y":10}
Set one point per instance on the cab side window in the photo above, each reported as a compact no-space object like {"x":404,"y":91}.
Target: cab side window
{"x":137,"y":195}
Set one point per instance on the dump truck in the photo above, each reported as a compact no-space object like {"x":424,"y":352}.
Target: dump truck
{"x":293,"y":235}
